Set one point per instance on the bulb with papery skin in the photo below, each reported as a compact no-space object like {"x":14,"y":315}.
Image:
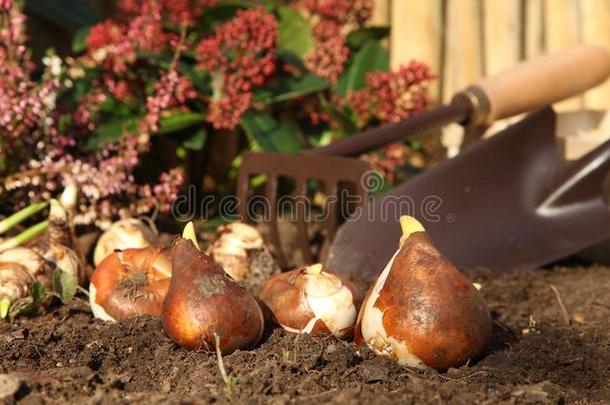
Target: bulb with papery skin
{"x":311,"y":300}
{"x":35,"y":264}
{"x":131,"y":282}
{"x":55,"y":247}
{"x":421,"y":310}
{"x":15,"y":282}
{"x":240,"y":250}
{"x":204,"y":302}
{"x":124,"y":234}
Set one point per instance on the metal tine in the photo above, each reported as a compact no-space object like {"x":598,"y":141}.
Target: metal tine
{"x":363,"y":194}
{"x":271,"y":192}
{"x":331,"y":197}
{"x":243,"y":188}
{"x":302,"y":236}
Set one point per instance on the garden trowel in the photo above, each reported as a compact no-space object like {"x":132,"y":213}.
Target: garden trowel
{"x":511,"y":201}
{"x":520,"y":89}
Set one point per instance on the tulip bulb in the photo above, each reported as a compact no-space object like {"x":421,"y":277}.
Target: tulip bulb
{"x":15,"y":282}
{"x":239,"y":249}
{"x":34,"y":263}
{"x":131,"y":282}
{"x":311,"y":300}
{"x":55,"y":247}
{"x":125,"y":234}
{"x":421,"y":310}
{"x":203,"y":302}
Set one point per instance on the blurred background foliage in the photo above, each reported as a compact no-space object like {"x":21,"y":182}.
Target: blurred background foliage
{"x":148,"y":96}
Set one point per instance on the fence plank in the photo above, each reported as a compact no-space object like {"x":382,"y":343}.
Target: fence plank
{"x":463,"y":57}
{"x":595,"y":29}
{"x":533,"y":28}
{"x":501,"y":34}
{"x":381,"y":12}
{"x":417,"y":34}
{"x":561,"y":27}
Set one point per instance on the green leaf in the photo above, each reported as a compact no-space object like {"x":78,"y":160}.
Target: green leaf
{"x":356,"y":39}
{"x":38,"y":292}
{"x":110,"y":132}
{"x":180,"y":121}
{"x":344,"y":121}
{"x":196,"y":141}
{"x":288,"y":88}
{"x":5,"y":305}
{"x":223,"y":12}
{"x":294,"y":31}
{"x":65,"y":285}
{"x":71,"y":14}
{"x":114,"y":107}
{"x":268,"y":135}
{"x":79,"y":41}
{"x":290,"y":58}
{"x":371,"y":58}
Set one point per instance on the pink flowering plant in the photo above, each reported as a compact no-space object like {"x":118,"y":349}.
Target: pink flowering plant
{"x":144,"y":91}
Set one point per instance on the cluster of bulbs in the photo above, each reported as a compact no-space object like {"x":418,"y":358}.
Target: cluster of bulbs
{"x":420,"y":309}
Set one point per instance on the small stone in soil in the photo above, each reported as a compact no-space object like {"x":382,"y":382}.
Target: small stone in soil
{"x":9,"y":386}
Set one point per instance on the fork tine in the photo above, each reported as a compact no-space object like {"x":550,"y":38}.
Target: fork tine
{"x":330,"y":169}
{"x":331,"y":198}
{"x":302,"y":236}
{"x":271,"y":192}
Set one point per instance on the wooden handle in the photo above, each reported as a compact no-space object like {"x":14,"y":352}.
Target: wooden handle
{"x":543,"y":80}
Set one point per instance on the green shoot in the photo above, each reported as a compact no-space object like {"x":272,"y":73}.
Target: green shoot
{"x":5,"y":304}
{"x":20,"y":216}
{"x":189,"y":233}
{"x":25,"y":236}
{"x":229,"y":381}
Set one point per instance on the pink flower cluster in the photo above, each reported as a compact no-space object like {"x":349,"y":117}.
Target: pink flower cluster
{"x":240,"y":55}
{"x":389,"y":160}
{"x":172,"y":90}
{"x":178,"y":12}
{"x":114,"y":45}
{"x":24,"y":104}
{"x":43,"y":155}
{"x":341,"y":11}
{"x":330,"y":54}
{"x":6,"y":5}
{"x":392,"y":96}
{"x":163,"y":194}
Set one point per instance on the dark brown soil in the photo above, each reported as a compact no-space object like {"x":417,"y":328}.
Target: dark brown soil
{"x":536,"y":355}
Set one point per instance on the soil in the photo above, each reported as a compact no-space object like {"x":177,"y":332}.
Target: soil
{"x":539,"y":353}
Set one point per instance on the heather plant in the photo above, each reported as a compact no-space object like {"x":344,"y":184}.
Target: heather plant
{"x":146,"y":90}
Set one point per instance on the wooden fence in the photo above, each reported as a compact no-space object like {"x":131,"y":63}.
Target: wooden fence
{"x":465,"y":39}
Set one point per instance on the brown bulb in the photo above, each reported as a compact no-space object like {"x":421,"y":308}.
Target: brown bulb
{"x":204,"y":302}
{"x":311,"y":300}
{"x":421,"y":310}
{"x":131,"y":282}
